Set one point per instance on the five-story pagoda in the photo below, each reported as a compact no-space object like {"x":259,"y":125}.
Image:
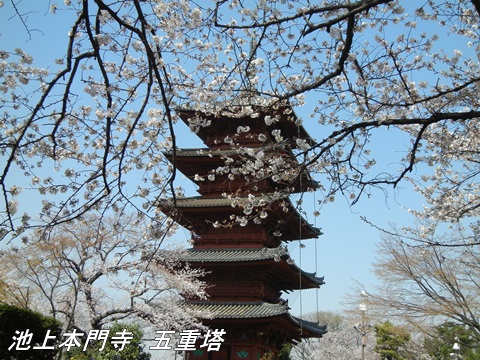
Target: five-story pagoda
{"x":240,"y":222}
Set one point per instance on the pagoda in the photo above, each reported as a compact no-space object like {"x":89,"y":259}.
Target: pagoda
{"x":240,"y":223}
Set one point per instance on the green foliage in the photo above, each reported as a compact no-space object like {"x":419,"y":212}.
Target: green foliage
{"x":267,"y":356}
{"x":132,"y":351}
{"x":13,"y":318}
{"x":391,"y":341}
{"x":440,"y":344}
{"x":284,"y":353}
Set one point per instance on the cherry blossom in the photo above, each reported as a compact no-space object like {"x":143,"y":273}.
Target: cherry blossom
{"x":97,"y":119}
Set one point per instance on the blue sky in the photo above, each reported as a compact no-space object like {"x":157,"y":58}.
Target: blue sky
{"x":346,"y":250}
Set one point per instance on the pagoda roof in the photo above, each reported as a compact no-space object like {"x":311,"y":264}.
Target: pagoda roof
{"x":224,"y":204}
{"x":287,"y":121}
{"x":201,"y":202}
{"x":234,"y":255}
{"x":207,"y":152}
{"x":187,"y":161}
{"x":240,"y":310}
{"x":256,"y":310}
{"x":248,"y":256}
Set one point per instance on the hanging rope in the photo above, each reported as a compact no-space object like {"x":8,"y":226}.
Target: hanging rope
{"x":315,"y":214}
{"x":300,"y":265}
{"x":300,"y":254}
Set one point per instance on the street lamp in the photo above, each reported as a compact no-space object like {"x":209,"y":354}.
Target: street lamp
{"x":456,"y":350}
{"x":363,"y":328}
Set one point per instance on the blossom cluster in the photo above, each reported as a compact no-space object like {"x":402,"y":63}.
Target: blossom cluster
{"x":103,"y":113}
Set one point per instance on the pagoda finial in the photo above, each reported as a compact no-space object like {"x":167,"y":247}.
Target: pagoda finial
{"x":251,"y":67}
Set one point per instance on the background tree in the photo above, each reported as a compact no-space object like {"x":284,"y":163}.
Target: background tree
{"x":439,"y":343}
{"x":427,"y":277}
{"x":422,"y":284}
{"x":13,"y":319}
{"x":392,"y":342}
{"x":96,"y":271}
{"x":102,"y":113}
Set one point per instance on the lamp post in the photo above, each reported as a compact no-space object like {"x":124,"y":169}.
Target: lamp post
{"x":456,"y":349}
{"x":363,"y":328}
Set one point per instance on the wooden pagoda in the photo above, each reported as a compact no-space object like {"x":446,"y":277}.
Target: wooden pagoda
{"x":239,"y":224}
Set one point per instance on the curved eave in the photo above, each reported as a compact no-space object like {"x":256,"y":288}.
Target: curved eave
{"x":200,"y":161}
{"x":222,"y":205}
{"x":235,"y":312}
{"x":313,"y":328}
{"x":247,"y":257}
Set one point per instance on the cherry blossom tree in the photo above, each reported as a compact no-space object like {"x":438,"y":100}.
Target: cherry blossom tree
{"x":103,"y":113}
{"x":100,"y":270}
